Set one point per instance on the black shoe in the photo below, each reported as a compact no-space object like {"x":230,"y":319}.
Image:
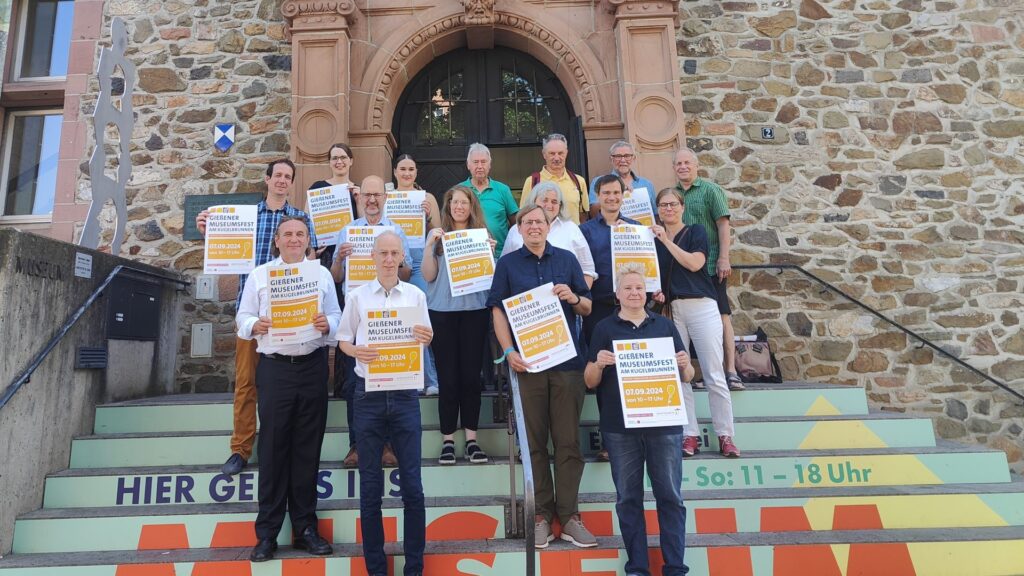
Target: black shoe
{"x":311,"y":542}
{"x":264,"y":550}
{"x":233,"y":465}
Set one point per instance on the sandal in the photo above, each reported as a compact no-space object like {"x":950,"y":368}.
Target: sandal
{"x":735,"y":383}
{"x":474,"y":453}
{"x":447,"y":457}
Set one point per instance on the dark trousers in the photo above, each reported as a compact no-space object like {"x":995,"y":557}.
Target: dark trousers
{"x":458,"y":352}
{"x":599,"y":310}
{"x":377,"y":416}
{"x":293,"y":416}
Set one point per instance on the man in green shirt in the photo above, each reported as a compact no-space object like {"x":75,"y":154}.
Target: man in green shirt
{"x":706,"y":205}
{"x":495,"y":197}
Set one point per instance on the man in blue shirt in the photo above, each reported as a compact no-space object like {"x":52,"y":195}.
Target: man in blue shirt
{"x":622,"y":156}
{"x":552,"y":398}
{"x":280,"y":180}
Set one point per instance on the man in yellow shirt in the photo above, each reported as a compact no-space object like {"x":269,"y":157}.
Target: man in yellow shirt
{"x":574,"y":187}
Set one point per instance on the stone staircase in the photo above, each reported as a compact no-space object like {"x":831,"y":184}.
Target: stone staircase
{"x":824,"y":488}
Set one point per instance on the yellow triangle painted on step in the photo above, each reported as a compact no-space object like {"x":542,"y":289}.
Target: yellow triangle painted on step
{"x":822,"y":407}
{"x":899,"y":512}
{"x":842,"y":554}
{"x":841,"y":434}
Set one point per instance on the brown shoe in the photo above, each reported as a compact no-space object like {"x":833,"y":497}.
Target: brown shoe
{"x":351,"y":459}
{"x":388,"y":459}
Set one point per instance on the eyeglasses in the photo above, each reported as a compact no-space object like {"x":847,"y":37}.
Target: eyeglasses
{"x":667,"y":205}
{"x":534,"y":222}
{"x":339,"y":158}
{"x":459,"y":202}
{"x":377,"y":195}
{"x":622,"y":156}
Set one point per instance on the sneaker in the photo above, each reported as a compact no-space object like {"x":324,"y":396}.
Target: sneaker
{"x":447,"y":457}
{"x":388,"y":458}
{"x":474,"y":453}
{"x":735,"y":383}
{"x":542,"y":535}
{"x":727,"y":448}
{"x":697,"y":384}
{"x":691,"y":446}
{"x":233,"y":465}
{"x":429,"y":391}
{"x":351,"y":459}
{"x":602,"y":456}
{"x":575,"y":532}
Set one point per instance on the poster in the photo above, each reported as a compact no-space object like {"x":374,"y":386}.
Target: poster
{"x":359,"y":266}
{"x":635,"y":244}
{"x":539,"y":325}
{"x":636,"y":204}
{"x":649,"y":386}
{"x":405,"y":210}
{"x":294,"y":291}
{"x":330,"y":210}
{"x":470,"y":261}
{"x":230,"y":240}
{"x":400,"y":364}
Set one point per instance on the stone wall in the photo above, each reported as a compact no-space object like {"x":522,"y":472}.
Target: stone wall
{"x":199,"y":63}
{"x":894,"y":172}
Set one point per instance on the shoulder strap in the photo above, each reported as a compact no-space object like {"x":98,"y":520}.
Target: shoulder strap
{"x":575,"y":181}
{"x":534,"y":179}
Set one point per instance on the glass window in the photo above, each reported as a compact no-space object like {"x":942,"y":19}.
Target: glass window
{"x":45,"y":38}
{"x":442,"y":117}
{"x":30,"y":162}
{"x":525,"y":115}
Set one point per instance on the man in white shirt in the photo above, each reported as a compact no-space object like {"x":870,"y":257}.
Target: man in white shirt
{"x":291,"y":381}
{"x":386,"y":414}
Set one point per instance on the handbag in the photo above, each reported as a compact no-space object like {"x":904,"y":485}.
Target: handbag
{"x":755,"y":361}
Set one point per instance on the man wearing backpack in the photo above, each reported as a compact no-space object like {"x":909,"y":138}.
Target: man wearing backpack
{"x":555,"y":149}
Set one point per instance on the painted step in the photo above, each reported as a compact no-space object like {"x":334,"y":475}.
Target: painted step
{"x":202,"y":412}
{"x":936,"y":552}
{"x":799,"y":469}
{"x":163,"y":449}
{"x":219,"y":525}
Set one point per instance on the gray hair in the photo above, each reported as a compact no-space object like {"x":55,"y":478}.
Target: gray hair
{"x":553,"y":137}
{"x":543,"y":188}
{"x":389,"y":234}
{"x":629,"y":268}
{"x":621,"y":144}
{"x":680,"y":151}
{"x":477,"y":147}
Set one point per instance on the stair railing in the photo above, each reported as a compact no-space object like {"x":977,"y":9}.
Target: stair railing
{"x":941,"y":351}
{"x":26,"y":376}
{"x":517,"y":429}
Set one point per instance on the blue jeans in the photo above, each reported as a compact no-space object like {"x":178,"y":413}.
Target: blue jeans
{"x":663,"y":455}
{"x":379,"y":415}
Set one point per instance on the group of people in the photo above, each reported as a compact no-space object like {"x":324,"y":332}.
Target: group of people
{"x":537,"y":241}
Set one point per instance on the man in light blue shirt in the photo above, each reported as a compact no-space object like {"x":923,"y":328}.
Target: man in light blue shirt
{"x":622,"y":156}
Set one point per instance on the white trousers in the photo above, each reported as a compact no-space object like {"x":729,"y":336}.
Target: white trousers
{"x":698,"y":319}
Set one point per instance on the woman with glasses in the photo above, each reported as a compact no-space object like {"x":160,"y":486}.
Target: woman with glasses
{"x":687,"y":290}
{"x":459,"y":323}
{"x":405,"y":181}
{"x":562,"y":233}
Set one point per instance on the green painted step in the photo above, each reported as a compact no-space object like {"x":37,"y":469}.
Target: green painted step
{"x":202,"y":412}
{"x":962,"y":506}
{"x":801,"y":469}
{"x":159,"y":449}
{"x":936,"y":552}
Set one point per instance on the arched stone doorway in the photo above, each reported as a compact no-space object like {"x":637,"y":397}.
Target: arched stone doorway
{"x":353,"y":60}
{"x":500,"y":97}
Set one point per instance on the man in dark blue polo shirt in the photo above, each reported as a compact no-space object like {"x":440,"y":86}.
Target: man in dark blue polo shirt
{"x":631,"y":448}
{"x":552,"y":398}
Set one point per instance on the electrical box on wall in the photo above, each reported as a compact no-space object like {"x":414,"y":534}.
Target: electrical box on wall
{"x":202,"y":340}
{"x":134,"y":310}
{"x":206,"y":287}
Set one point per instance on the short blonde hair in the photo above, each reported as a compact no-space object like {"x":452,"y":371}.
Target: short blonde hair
{"x":630,"y":268}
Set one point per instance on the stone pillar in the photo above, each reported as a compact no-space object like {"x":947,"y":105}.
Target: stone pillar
{"x":645,"y":33}
{"x":320,"y":39}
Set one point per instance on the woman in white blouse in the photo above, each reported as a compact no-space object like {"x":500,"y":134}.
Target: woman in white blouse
{"x":564,"y":233}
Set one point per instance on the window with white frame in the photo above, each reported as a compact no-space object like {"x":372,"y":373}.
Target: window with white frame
{"x":31,"y":144}
{"x":44,"y":34}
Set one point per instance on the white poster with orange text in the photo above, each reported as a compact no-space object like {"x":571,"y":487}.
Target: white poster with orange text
{"x":359,"y":266}
{"x":294,"y":291}
{"x":649,"y":385}
{"x":636,"y":204}
{"x":470,"y":261}
{"x":633,"y":244}
{"x":539,"y":325}
{"x":230,"y":240}
{"x":330,"y":210}
{"x":399,"y":365}
{"x":405,"y":210}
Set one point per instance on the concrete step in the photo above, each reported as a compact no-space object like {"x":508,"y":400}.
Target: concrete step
{"x":948,"y":463}
{"x":203,"y":412}
{"x":752,"y":434}
{"x":931,"y":552}
{"x":779,"y":510}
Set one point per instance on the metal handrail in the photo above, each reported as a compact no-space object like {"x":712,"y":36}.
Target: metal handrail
{"x":879,"y":315}
{"x":26,"y":376}
{"x":517,"y":427}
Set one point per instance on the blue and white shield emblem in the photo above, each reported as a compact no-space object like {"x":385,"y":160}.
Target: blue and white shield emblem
{"x":223,"y":136}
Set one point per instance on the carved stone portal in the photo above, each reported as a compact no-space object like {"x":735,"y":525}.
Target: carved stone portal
{"x":479,"y":12}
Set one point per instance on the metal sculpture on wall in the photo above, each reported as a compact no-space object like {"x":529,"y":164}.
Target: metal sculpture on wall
{"x":118,"y":113}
